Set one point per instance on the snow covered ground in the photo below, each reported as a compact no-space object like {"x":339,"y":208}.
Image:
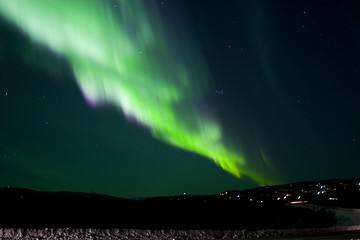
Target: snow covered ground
{"x":348,"y":220}
{"x":65,"y":233}
{"x":345,"y":216}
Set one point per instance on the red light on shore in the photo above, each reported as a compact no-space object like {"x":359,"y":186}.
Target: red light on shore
{"x":298,"y":202}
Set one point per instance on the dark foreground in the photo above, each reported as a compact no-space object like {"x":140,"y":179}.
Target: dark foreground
{"x":71,"y":211}
{"x":275,"y":207}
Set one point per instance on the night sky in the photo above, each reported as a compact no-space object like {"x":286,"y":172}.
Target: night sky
{"x":155,"y":98}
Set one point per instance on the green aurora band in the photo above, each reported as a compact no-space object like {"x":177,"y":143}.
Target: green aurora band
{"x":120,"y":55}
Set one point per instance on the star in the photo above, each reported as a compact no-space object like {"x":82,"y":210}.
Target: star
{"x":220,"y":92}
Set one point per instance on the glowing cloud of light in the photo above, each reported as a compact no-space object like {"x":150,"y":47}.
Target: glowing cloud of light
{"x":120,"y":55}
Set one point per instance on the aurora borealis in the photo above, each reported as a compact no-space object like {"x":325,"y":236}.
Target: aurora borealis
{"x":125,"y":61}
{"x":155,"y":62}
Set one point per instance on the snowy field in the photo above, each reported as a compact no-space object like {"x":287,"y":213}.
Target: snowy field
{"x":347,"y":227}
{"x":120,"y":234}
